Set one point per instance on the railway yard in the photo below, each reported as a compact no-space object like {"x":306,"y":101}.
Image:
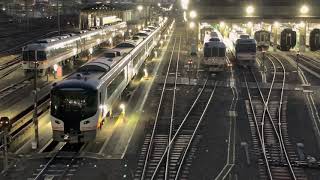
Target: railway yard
{"x":174,"y":119}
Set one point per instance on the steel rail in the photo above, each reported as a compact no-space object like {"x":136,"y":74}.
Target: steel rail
{"x":179,"y":128}
{"x":279,"y":119}
{"x":265,"y":103}
{"x":172,"y":110}
{"x":48,"y":163}
{"x":258,"y":129}
{"x":194,"y":133}
{"x":157,"y":115}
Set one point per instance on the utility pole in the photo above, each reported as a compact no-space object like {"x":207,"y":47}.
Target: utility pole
{"x":58,"y":17}
{"x":297,"y":61}
{"x":35,"y":111}
{"x":5,"y":126}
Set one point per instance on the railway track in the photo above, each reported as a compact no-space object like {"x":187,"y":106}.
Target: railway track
{"x":309,"y":65}
{"x":170,"y":147}
{"x":17,"y":49}
{"x":267,"y":116}
{"x":62,"y":164}
{"x":10,"y":67}
{"x":14,"y":87}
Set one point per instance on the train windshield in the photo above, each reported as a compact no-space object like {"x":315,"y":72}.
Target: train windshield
{"x":75,"y":103}
{"x":30,"y":55}
{"x":246,"y":47}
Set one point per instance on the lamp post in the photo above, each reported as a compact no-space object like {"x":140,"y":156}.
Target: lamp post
{"x":5,"y":126}
{"x":276,"y":26}
{"x":304,"y":10}
{"x":58,"y":17}
{"x":263,"y":60}
{"x":297,"y":61}
{"x":35,"y":143}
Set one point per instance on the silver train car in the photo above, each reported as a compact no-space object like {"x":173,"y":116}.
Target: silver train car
{"x":214,"y":53}
{"x":51,"y":51}
{"x":81,"y":103}
{"x":263,"y":38}
{"x":245,"y":52}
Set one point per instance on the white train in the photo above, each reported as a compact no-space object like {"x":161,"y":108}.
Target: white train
{"x":80,"y":103}
{"x":245,"y":52}
{"x":51,"y":51}
{"x":214,"y":53}
{"x":263,"y":39}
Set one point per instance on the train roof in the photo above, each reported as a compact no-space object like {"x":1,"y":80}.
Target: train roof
{"x":58,"y":41}
{"x":127,"y":44}
{"x":142,"y":33}
{"x":262,"y":30}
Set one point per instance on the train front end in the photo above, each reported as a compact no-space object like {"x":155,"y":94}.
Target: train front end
{"x":74,"y":112}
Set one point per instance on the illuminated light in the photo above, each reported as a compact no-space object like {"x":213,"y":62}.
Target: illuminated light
{"x":98,"y":41}
{"x":193,"y":14}
{"x":140,"y":8}
{"x":276,"y":24}
{"x":184,"y":4}
{"x":192,"y":25}
{"x":74,"y":51}
{"x":185,"y":16}
{"x":250,"y":9}
{"x":145,"y":73}
{"x":249,"y":24}
{"x":139,"y":27}
{"x":161,"y":42}
{"x":3,"y":9}
{"x":155,"y":54}
{"x":159,"y":4}
{"x":304,"y":9}
{"x":90,"y":50}
{"x":55,"y":67}
{"x":110,"y":40}
{"x":222,"y":23}
{"x":130,"y":30}
{"x":123,"y":108}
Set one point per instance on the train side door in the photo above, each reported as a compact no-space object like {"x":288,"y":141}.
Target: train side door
{"x":130,"y":68}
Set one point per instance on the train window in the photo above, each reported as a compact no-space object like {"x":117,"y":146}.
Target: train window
{"x":73,"y":103}
{"x":138,"y":57}
{"x":110,"y":54}
{"x":115,"y":83}
{"x":41,"y":55}
{"x":246,"y":47}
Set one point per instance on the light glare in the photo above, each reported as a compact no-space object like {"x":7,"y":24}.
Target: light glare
{"x":250,"y":10}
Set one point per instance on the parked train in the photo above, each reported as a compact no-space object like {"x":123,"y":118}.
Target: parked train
{"x":245,"y":52}
{"x":235,"y":35}
{"x":51,"y":51}
{"x":214,"y":53}
{"x":80,"y":103}
{"x":314,"y":39}
{"x":262,"y":38}
{"x":286,"y":39}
